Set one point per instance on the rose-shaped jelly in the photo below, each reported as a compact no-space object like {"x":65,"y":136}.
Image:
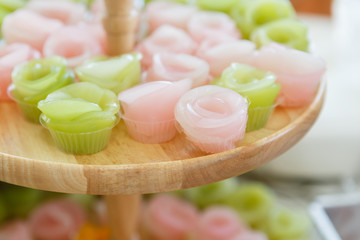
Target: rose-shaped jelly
{"x":257,"y":85}
{"x":10,"y":56}
{"x":174,"y":67}
{"x":212,"y":117}
{"x":80,"y":117}
{"x":116,"y":73}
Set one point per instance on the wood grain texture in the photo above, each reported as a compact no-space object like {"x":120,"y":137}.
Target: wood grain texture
{"x":28,"y":156}
{"x":123,"y":214}
{"x":120,"y":25}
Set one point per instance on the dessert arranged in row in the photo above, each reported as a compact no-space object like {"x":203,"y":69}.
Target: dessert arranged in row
{"x":191,"y":73}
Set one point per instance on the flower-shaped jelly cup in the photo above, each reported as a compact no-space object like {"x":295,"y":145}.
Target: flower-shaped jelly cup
{"x":29,"y":110}
{"x":151,"y":132}
{"x":216,"y":144}
{"x":81,"y":143}
{"x":258,"y":117}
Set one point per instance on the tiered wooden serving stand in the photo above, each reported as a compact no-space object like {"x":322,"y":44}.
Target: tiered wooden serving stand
{"x":126,"y":168}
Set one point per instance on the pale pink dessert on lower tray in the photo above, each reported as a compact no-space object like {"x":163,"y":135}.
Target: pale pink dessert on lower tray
{"x":204,"y":25}
{"x":299,"y":73}
{"x":148,"y":109}
{"x":174,"y":67}
{"x":73,"y":43}
{"x":164,"y":12}
{"x":167,"y":217}
{"x":16,"y":230}
{"x":66,"y":11}
{"x":213,"y":118}
{"x":221,"y":52}
{"x":57,"y":220}
{"x":218,"y":223}
{"x":10,"y":56}
{"x":165,"y":39}
{"x":28,"y":27}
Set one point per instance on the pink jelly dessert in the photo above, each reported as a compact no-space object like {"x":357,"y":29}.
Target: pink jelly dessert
{"x":213,"y":118}
{"x":204,"y":25}
{"x":165,"y":39}
{"x":298,"y":72}
{"x":73,"y":43}
{"x":219,"y":223}
{"x":66,"y":11}
{"x":15,"y":230}
{"x":174,"y":67}
{"x":167,"y":217}
{"x":10,"y":56}
{"x":148,"y":109}
{"x":28,"y":27}
{"x":221,"y":52}
{"x":163,"y":12}
{"x":57,"y":220}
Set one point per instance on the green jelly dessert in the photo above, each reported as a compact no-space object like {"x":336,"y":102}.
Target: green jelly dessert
{"x":211,"y":194}
{"x":284,"y":223}
{"x":12,"y":5}
{"x":115,"y":73}
{"x":252,"y":202}
{"x":290,"y":32}
{"x":250,"y":14}
{"x":216,"y":5}
{"x":34,"y":80}
{"x":20,"y":201}
{"x":80,"y":117}
{"x":257,"y":85}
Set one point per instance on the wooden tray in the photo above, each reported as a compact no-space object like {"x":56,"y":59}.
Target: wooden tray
{"x":28,"y":156}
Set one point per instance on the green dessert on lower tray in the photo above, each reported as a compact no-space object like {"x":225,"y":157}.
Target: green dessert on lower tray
{"x":34,"y":80}
{"x":114,"y":73}
{"x":80,"y":117}
{"x":257,"y":85}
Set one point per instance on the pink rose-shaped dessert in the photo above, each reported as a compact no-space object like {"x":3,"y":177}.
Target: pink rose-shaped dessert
{"x":10,"y":56}
{"x":219,"y":223}
{"x":66,"y":11}
{"x":148,"y":109}
{"x":73,"y":43}
{"x":167,"y":217}
{"x":213,"y":118}
{"x":221,"y":52}
{"x":175,"y":67}
{"x":205,"y":25}
{"x":17,"y":230}
{"x":57,"y":220}
{"x":298,"y":72}
{"x":250,"y":235}
{"x":28,"y":27}
{"x":163,"y":12}
{"x":165,"y":39}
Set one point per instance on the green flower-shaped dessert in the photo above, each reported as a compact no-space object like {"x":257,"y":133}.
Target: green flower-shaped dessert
{"x":250,"y":14}
{"x":284,"y":223}
{"x":34,"y":80}
{"x":252,"y":202}
{"x":257,"y":85}
{"x":115,"y":74}
{"x":211,"y":194}
{"x":216,"y":5}
{"x":290,"y":32}
{"x":80,"y":117}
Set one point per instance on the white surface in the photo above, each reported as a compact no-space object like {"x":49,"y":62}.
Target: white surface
{"x":332,"y":147}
